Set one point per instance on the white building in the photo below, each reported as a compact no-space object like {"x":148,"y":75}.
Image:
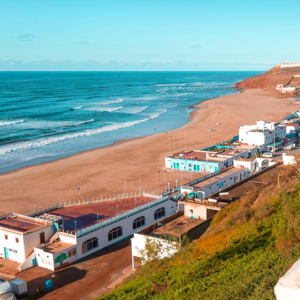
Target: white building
{"x":20,"y":234}
{"x":263,"y":133}
{"x":48,"y":242}
{"x":206,"y":186}
{"x":164,"y":239}
{"x":288,"y":159}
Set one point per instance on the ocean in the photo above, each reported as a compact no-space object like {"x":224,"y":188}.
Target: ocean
{"x":45,"y":116}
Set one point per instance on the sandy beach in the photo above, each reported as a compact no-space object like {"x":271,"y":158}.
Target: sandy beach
{"x":101,"y":172}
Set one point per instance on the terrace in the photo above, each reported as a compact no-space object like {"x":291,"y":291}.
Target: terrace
{"x":77,"y":218}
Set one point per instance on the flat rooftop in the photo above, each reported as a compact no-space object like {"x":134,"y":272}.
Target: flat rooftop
{"x":222,"y":175}
{"x":212,"y":178}
{"x":57,"y":247}
{"x":89,"y":214}
{"x":176,"y":227}
{"x":19,"y":224}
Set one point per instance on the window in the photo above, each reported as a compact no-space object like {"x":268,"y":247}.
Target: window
{"x":6,"y":236}
{"x":138,"y":222}
{"x":115,"y":233}
{"x":89,"y":245}
{"x":17,"y":240}
{"x":161,"y":212}
{"x":42,"y":237}
{"x":72,"y":252}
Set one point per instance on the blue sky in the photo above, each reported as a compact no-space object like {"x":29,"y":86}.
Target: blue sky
{"x":148,"y":35}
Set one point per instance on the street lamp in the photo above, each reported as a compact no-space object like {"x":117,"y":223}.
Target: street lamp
{"x":75,"y":225}
{"x":117,"y":210}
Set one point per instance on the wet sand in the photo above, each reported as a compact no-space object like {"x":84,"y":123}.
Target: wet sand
{"x":102,"y":171}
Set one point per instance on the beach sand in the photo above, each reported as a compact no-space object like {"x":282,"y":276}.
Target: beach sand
{"x":102,"y":171}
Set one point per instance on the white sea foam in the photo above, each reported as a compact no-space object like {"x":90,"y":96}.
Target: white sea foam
{"x":7,"y":123}
{"x":132,"y":110}
{"x":52,"y":124}
{"x":172,"y":84}
{"x":47,"y":141}
{"x":119,"y":100}
{"x":78,"y":107}
{"x":103,"y":109}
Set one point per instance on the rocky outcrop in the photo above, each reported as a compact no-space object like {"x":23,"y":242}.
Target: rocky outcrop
{"x":275,"y":76}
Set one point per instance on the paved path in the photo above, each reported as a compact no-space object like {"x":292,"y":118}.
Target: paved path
{"x":87,"y":278}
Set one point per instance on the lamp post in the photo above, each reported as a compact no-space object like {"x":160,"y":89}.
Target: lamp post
{"x":75,"y":225}
{"x":97,"y":216}
{"x":117,"y":210}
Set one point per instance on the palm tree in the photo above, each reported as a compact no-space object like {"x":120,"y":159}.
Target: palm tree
{"x":256,"y":155}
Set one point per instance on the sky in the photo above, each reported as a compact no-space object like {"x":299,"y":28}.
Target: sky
{"x":147,"y":35}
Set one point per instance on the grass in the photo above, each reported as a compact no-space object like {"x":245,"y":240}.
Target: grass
{"x":250,"y":244}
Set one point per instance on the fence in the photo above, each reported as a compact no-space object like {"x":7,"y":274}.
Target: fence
{"x":38,"y":211}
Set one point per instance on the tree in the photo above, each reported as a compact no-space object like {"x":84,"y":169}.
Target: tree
{"x":60,"y":258}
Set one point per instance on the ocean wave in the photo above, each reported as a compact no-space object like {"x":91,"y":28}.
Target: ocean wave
{"x":7,"y":123}
{"x":76,"y":108}
{"x":119,"y":100}
{"x":104,"y":109}
{"x":21,"y":146}
{"x":172,"y":84}
{"x":132,"y":110}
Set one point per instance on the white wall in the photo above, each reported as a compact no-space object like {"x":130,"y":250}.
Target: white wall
{"x":44,"y":259}
{"x":224,"y":182}
{"x":168,"y":162}
{"x":126,"y":224}
{"x":68,"y":259}
{"x":139,"y":241}
{"x":67,"y":238}
{"x":28,"y":263}
{"x":288,"y":159}
{"x":198,"y":211}
{"x":32,"y":239}
{"x":16,"y":250}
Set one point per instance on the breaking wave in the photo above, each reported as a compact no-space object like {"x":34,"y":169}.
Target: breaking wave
{"x":6,"y":123}
{"x":105,"y":109}
{"x":47,"y":141}
{"x":76,"y":108}
{"x":119,"y":100}
{"x":133,"y":110}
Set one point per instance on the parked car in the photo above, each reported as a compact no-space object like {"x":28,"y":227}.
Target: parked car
{"x":267,"y":154}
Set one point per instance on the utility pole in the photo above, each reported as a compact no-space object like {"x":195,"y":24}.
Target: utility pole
{"x":124,"y":188}
{"x":159,"y":182}
{"x":140,"y":182}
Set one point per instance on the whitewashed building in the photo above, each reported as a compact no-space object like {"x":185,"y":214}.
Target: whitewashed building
{"x":263,"y":133}
{"x":66,"y":234}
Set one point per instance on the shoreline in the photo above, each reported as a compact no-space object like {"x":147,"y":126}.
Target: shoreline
{"x":116,"y":143}
{"x":101,"y":171}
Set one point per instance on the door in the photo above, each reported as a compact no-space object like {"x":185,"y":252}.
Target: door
{"x":42,"y":237}
{"x":34,"y":262}
{"x":6,"y":253}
